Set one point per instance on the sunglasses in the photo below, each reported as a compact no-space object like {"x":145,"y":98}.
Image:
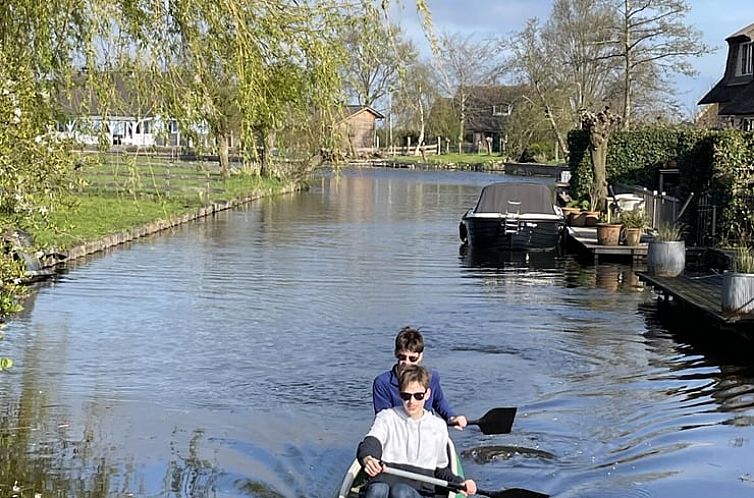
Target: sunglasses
{"x":413,"y":358}
{"x":417,"y":396}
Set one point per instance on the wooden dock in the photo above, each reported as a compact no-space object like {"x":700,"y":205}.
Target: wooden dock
{"x":584,"y":239}
{"x":699,"y":292}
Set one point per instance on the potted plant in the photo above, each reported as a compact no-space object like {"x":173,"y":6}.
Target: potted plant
{"x":738,"y":284}
{"x":634,"y":222}
{"x":590,"y":217}
{"x":574,"y":212}
{"x":572,"y":207}
{"x":666,"y":252}
{"x":608,"y":233}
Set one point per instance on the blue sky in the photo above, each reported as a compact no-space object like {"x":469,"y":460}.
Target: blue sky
{"x":716,"y":19}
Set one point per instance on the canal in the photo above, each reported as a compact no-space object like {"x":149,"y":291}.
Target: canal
{"x":233,"y":357}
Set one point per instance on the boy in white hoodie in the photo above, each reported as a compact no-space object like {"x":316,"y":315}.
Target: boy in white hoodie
{"x":408,"y":438}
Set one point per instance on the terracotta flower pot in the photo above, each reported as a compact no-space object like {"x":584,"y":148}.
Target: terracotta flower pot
{"x":592,"y":218}
{"x":577,"y":219}
{"x":608,"y":234}
{"x":632,"y":237}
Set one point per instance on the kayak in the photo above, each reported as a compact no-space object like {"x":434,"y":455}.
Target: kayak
{"x":355,"y":479}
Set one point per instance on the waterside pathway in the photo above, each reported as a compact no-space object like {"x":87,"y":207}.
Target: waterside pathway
{"x":234,"y":356}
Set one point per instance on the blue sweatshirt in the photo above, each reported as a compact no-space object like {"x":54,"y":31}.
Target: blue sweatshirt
{"x":386,"y":394}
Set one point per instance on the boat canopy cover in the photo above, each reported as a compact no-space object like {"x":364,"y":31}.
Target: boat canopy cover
{"x":497,"y":198}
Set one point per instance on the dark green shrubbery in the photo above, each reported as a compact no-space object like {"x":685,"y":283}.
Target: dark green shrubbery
{"x":717,"y":163}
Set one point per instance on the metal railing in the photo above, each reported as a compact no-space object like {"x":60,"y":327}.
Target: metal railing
{"x":660,"y":207}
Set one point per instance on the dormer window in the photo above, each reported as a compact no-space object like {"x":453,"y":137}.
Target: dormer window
{"x":746,"y":59}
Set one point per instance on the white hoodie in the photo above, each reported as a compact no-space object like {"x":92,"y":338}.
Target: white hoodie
{"x":405,"y":441}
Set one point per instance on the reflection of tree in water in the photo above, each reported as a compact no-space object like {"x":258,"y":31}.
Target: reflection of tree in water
{"x":54,"y":465}
{"x":190,"y":475}
{"x":258,"y":490}
{"x":49,"y":463}
{"x":41,"y":454}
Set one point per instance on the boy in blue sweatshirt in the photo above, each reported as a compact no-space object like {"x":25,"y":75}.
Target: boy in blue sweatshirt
{"x":409,"y":350}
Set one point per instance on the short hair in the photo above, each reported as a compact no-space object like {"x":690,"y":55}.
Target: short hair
{"x":409,"y":339}
{"x":414,"y":373}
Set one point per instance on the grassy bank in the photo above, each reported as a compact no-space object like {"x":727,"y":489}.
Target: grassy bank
{"x":120,"y":193}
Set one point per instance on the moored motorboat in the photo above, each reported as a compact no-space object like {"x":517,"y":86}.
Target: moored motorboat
{"x":355,"y":478}
{"x":513,"y":217}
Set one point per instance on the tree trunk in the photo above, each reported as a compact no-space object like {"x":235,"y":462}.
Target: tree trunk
{"x":627,"y":69}
{"x":420,"y":141}
{"x":222,"y":152}
{"x":462,"y":124}
{"x":268,"y":141}
{"x":599,"y":185}
{"x":551,"y":119}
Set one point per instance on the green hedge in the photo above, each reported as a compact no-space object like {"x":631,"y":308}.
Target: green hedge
{"x":717,"y":163}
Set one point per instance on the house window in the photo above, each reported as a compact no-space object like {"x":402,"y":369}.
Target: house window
{"x":746,"y":62}
{"x":144,"y":127}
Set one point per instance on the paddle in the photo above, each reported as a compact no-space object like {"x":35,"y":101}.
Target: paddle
{"x":495,"y":421}
{"x":503,"y":493}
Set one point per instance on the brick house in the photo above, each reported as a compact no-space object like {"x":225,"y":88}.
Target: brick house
{"x":358,"y":129}
{"x":488,"y":109}
{"x":734,"y":93}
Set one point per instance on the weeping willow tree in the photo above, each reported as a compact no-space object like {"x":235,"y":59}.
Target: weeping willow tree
{"x":38,"y":43}
{"x":249,"y":70}
{"x":258,"y":75}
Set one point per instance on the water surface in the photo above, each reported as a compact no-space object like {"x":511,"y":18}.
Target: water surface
{"x":234,"y":357}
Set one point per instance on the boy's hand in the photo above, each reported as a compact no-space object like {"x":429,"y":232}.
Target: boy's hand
{"x":470,"y":487}
{"x":459,"y":422}
{"x":372,"y":466}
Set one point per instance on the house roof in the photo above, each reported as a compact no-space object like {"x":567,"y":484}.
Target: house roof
{"x":119,"y":95}
{"x":744,"y":34}
{"x":735,"y":94}
{"x":352,"y":110}
{"x":482,"y":99}
{"x":741,"y":103}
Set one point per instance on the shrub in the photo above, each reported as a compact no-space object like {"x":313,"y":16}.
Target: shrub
{"x":743,"y":261}
{"x":669,"y":232}
{"x":634,"y":219}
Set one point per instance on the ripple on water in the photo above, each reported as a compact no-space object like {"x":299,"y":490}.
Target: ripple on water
{"x":241,"y":350}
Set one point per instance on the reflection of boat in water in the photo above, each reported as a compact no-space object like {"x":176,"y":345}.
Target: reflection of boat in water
{"x":476,"y":258}
{"x":355,"y":478}
{"x":513,"y":217}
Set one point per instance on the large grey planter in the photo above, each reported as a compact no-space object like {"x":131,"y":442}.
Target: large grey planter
{"x":738,"y":292}
{"x":666,"y":259}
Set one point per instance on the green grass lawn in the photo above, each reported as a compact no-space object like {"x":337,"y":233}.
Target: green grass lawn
{"x":119,"y":194}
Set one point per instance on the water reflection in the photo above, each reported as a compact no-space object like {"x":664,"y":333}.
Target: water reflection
{"x":234,"y":357}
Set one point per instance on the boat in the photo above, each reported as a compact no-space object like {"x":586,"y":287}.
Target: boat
{"x":355,"y":478}
{"x":513,"y":217}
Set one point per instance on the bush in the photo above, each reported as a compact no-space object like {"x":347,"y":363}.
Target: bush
{"x":713,"y":163}
{"x":533,"y":153}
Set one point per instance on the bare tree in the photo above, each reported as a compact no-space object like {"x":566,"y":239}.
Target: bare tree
{"x":414,"y":97}
{"x":563,"y":62}
{"x":651,"y":33}
{"x":571,"y":39}
{"x":535,"y":67}
{"x":465,"y":62}
{"x":376,"y":54}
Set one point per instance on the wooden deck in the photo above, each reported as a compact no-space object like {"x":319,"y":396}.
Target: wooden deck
{"x":699,"y":292}
{"x":585,"y":240}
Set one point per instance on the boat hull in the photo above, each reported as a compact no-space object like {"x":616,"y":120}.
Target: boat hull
{"x":355,"y":479}
{"x":512,"y":234}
